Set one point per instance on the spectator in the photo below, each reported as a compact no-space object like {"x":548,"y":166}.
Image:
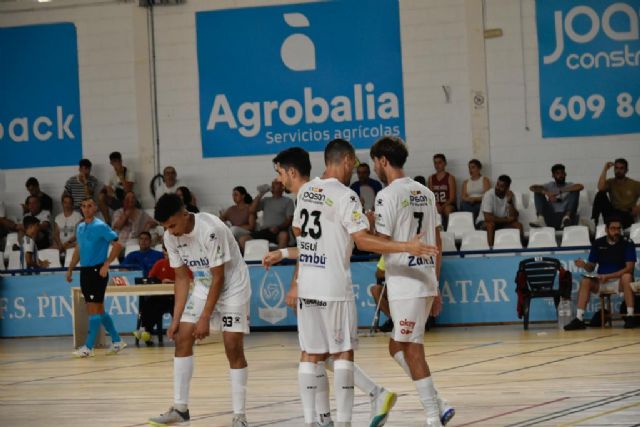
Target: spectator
{"x":129,"y":221}
{"x":32,"y":228}
{"x":623,"y":195}
{"x":43,"y":237}
{"x":170,"y":182}
{"x":146,"y":257}
{"x":238,"y":215}
{"x":120,"y":183}
{"x":443,"y":185}
{"x":365,"y":187}
{"x":82,"y":185}
{"x":556,"y":201}
{"x":6,"y":225}
{"x":421,"y":179}
{"x":187,"y":198}
{"x":474,"y":188}
{"x":64,"y":225}
{"x":278,"y":214}
{"x":33,"y":187}
{"x":498,"y":209}
{"x":615,"y":256}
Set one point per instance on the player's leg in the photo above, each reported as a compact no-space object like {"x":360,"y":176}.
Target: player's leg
{"x":311,"y":342}
{"x":323,"y":406}
{"x":587,"y":285}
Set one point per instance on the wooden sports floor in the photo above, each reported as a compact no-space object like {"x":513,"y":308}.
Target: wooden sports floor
{"x":494,"y":376}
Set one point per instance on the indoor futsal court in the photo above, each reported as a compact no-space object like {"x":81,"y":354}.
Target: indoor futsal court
{"x":492,"y":375}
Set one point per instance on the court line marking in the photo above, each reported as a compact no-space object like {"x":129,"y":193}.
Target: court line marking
{"x":537,"y":405}
{"x":601,"y":414}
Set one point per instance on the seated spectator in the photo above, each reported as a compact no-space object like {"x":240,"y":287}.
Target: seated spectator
{"x":366,"y":187}
{"x":277,"y":216}
{"x":421,"y":179}
{"x":556,"y":201}
{"x":43,"y":237}
{"x":498,"y":209}
{"x":443,"y":185}
{"x":32,"y":228}
{"x":238,"y":214}
{"x":64,"y":225}
{"x":474,"y":188}
{"x":187,"y":198}
{"x":170,"y":182}
{"x":129,"y":221}
{"x":6,"y":225}
{"x":144,"y":258}
{"x":623,"y":195}
{"x":120,"y":183}
{"x":33,"y":187}
{"x":615,"y":256}
{"x":82,"y":185}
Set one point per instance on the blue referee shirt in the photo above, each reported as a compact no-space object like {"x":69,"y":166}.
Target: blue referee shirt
{"x":93,"y":240}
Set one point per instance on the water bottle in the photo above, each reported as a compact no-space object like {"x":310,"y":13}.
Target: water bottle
{"x":564,"y":313}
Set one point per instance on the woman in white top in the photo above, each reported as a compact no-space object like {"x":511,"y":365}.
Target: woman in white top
{"x":64,"y":225}
{"x":473,"y":189}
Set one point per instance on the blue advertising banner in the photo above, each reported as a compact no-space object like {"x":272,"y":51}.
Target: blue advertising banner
{"x":40,"y":101}
{"x":301,"y":74}
{"x":589,"y":60}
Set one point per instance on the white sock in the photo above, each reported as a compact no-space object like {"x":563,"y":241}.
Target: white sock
{"x":182,"y":373}
{"x":238,"y":389}
{"x":427,"y":395}
{"x":399,"y":358}
{"x":629,"y":311}
{"x":580,"y":313}
{"x":323,"y":407}
{"x":307,"y":386}
{"x":363,"y":381}
{"x":343,"y":385}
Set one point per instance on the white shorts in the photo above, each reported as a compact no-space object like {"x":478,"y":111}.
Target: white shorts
{"x":327,"y":326}
{"x":609,"y":287}
{"x":409,"y":317}
{"x":225,"y":318}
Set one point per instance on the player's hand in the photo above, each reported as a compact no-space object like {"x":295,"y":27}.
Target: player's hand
{"x":69,"y":276}
{"x":202,"y":328}
{"x":173,"y":329}
{"x":436,"y":307}
{"x":291,"y":298}
{"x":271,"y":258}
{"x":104,"y":270}
{"x":419,"y":248}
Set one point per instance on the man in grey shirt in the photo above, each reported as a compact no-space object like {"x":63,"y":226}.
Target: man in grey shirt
{"x":556,"y":201}
{"x":277,"y":216}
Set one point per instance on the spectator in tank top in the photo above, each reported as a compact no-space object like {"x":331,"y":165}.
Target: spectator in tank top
{"x":473,"y":189}
{"x":238,"y":214}
{"x":443,"y":185}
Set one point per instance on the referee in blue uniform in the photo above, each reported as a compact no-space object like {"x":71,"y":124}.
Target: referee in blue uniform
{"x":93,"y":237}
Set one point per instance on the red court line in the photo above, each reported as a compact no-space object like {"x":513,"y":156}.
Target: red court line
{"x":514,"y":411}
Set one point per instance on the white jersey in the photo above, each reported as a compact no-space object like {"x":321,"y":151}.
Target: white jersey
{"x":327,"y":213}
{"x":211,"y":244}
{"x":403,"y":209}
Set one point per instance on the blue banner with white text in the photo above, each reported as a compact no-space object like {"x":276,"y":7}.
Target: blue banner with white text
{"x":589,"y":62}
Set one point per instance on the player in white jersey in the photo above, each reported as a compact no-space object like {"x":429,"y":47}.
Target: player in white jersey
{"x":219,"y":300}
{"x":327,"y":220}
{"x":293,"y":168}
{"x":403,"y":209}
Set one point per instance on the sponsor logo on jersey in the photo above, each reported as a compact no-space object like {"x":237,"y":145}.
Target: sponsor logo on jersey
{"x":407,"y":326}
{"x":313,"y":260}
{"x":314,"y":195}
{"x":201,"y":262}
{"x":313,"y":302}
{"x":416,"y":198}
{"x":308,"y":246}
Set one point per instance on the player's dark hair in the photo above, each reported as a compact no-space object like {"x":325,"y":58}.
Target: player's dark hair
{"x":391,"y":148}
{"x":167,"y":206}
{"x":506,"y":179}
{"x":294,"y":157}
{"x":337,"y":150}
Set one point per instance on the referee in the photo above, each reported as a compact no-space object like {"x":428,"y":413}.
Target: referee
{"x":93,"y":237}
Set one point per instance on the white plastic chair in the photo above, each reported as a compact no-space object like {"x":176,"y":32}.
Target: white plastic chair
{"x":255,"y":250}
{"x":543,"y":237}
{"x":448,"y":241}
{"x":475,"y":240}
{"x":634,"y":232}
{"x":519,"y":198}
{"x":584,"y":206}
{"x":507,"y":238}
{"x":130,"y":248}
{"x":460,"y":223}
{"x":600,"y":231}
{"x":12,"y":239}
{"x":575,"y":235}
{"x":51,"y":255}
{"x":14,"y":261}
{"x":1,"y":261}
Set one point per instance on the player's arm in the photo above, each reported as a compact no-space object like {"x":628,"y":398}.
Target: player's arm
{"x":436,"y":307}
{"x":370,"y":243}
{"x":115,"y":251}
{"x":75,"y":258}
{"x":217,"y":283}
{"x":628,"y":269}
{"x":275,"y":257}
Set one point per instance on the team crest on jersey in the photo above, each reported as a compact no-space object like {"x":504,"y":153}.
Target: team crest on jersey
{"x":356,"y":215}
{"x":405,"y":203}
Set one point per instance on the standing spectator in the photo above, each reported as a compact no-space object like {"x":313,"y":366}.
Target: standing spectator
{"x":33,"y":187}
{"x":31,"y":229}
{"x":498,"y":209}
{"x":278,"y":214}
{"x":120,"y":183}
{"x":474,"y":188}
{"x":556,"y":201}
{"x":64,"y":225}
{"x":187,"y":198}
{"x":82,"y":185}
{"x":623,"y":194}
{"x":170,"y":182}
{"x":365,"y":187}
{"x":43,"y":238}
{"x":129,"y":221}
{"x":144,"y":258}
{"x":238,"y":215}
{"x":443,"y":185}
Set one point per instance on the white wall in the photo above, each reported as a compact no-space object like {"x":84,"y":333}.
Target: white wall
{"x":435,"y":53}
